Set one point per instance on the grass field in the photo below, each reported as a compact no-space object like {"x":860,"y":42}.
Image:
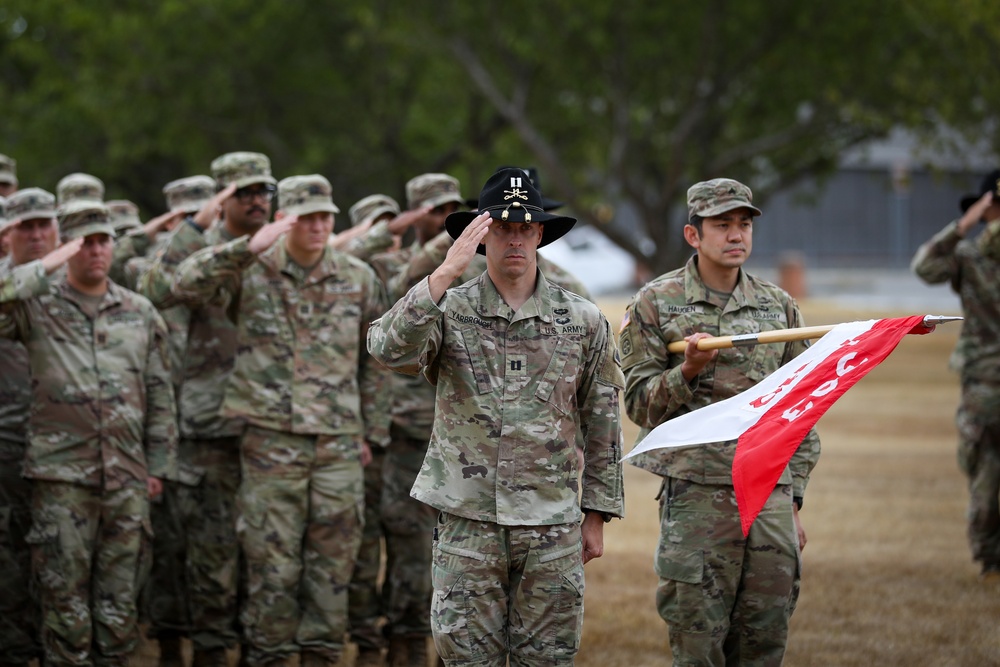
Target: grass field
{"x":887,"y":577}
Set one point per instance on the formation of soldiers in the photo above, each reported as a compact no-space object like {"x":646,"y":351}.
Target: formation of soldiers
{"x":200,"y":430}
{"x":193,"y":434}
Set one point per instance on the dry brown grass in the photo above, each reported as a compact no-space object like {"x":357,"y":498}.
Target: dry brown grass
{"x":887,"y":577}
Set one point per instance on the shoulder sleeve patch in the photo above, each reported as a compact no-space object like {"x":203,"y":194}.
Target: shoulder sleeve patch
{"x":611,"y":369}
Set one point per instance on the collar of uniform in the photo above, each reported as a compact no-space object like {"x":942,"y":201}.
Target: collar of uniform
{"x":491,"y":304}
{"x":695,"y":290}
{"x":112,"y":297}
{"x":276,"y":259}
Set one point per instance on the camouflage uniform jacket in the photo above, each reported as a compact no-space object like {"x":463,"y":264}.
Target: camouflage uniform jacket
{"x":975,"y":276}
{"x":211,"y":336}
{"x":15,"y":391}
{"x":102,"y":410}
{"x":412,"y":407}
{"x":175,"y":317}
{"x":674,"y":306}
{"x":301,"y":361}
{"x":133,"y":244}
{"x":512,"y":389}
{"x":376,"y":240}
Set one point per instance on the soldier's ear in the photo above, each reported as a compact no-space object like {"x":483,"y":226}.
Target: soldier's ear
{"x":692,"y":236}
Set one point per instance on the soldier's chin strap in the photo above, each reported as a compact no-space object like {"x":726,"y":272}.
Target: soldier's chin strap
{"x":528,"y":208}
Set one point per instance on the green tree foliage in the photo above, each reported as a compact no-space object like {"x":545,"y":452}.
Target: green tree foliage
{"x":621,"y":105}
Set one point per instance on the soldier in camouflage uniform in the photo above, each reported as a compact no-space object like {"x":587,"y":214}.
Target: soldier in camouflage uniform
{"x":124,"y":216}
{"x":8,"y":176}
{"x":727,"y":599}
{"x":519,"y":365}
{"x":408,"y":523}
{"x":365,"y":608}
{"x":33,"y":233}
{"x":972,"y":267}
{"x":176,"y":517}
{"x":314,"y":402}
{"x":101,"y":436}
{"x":369,"y":218}
{"x":204,"y":605}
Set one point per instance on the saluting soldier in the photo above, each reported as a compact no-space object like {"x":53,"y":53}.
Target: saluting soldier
{"x":236,"y":202}
{"x":314,"y":403}
{"x":33,"y":232}
{"x":519,"y":366}
{"x":970,"y":263}
{"x":101,"y":437}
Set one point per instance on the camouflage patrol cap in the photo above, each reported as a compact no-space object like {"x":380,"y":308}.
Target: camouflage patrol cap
{"x":78,"y":192}
{"x":94,"y":218}
{"x":710,"y":198}
{"x":432,"y":190}
{"x":302,"y":195}
{"x":30,"y":203}
{"x":8,"y":169}
{"x":371,"y":207}
{"x":124,"y":215}
{"x":189,"y":194}
{"x":243,"y":169}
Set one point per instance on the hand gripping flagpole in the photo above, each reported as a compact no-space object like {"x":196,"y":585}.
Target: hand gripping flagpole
{"x":780,"y":336}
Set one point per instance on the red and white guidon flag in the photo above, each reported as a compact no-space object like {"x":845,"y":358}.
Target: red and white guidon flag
{"x":771,"y":419}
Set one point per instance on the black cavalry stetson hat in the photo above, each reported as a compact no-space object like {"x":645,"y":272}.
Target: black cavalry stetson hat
{"x":532,"y":172}
{"x":509,"y":195}
{"x":991,"y":183}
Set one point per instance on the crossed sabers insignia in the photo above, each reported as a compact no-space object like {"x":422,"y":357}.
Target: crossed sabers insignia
{"x":516,"y":192}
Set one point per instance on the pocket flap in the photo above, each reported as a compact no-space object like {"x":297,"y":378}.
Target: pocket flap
{"x":680,"y":564}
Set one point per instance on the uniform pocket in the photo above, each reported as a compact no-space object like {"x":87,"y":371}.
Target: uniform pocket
{"x":680,"y":593}
{"x":451,"y":613}
{"x":477,"y":361}
{"x":557,"y":386}
{"x":45,"y":555}
{"x":561,"y":569}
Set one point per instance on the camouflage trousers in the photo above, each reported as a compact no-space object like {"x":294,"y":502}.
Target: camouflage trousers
{"x":301,"y":518}
{"x":192,"y":590}
{"x":409,"y":533}
{"x":365,"y":612}
{"x":726,"y":598}
{"x":90,"y":550}
{"x":506,"y":592}
{"x":978,"y":422}
{"x":19,"y":616}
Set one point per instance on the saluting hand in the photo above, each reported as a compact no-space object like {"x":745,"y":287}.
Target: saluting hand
{"x":213,"y":208}
{"x":268,"y":234}
{"x":974,"y":214}
{"x":55,"y":259}
{"x":405,"y":220}
{"x":459,"y":255}
{"x":162,"y":222}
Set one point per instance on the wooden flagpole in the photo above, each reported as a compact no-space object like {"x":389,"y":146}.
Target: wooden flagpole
{"x":779,"y":336}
